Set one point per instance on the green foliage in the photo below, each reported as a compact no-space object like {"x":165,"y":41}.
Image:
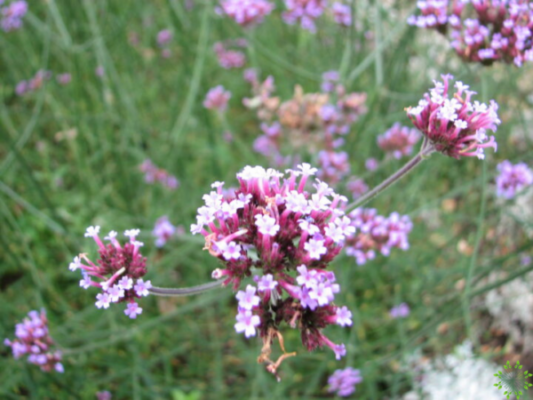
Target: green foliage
{"x":53,"y":185}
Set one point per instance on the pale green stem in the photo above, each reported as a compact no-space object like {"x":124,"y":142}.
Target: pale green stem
{"x":181,"y":292}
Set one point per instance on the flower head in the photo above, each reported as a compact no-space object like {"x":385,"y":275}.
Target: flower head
{"x":33,"y":340}
{"x":217,"y":98}
{"x":246,"y":12}
{"x":400,"y":311}
{"x":115,"y":272}
{"x":343,"y":381}
{"x":455,"y":126}
{"x":512,"y":178}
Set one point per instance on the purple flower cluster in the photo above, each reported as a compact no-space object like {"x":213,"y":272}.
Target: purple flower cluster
{"x":154,"y":174}
{"x":228,"y":58}
{"x":398,"y":141}
{"x":512,"y":178}
{"x":35,"y":83}
{"x":456,"y":126}
{"x":246,"y":12}
{"x":343,"y":381}
{"x":499,"y":31}
{"x":376,"y":233}
{"x":400,"y":311}
{"x":342,"y":14}
{"x":217,"y":98}
{"x":33,"y":340}
{"x":311,"y":121}
{"x":357,"y":187}
{"x":304,"y":12}
{"x":11,"y":15}
{"x":273,"y":224}
{"x":164,"y":37}
{"x":120,"y":270}
{"x":164,"y":230}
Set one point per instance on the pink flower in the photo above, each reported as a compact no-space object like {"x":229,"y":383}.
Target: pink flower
{"x":217,"y":99}
{"x":247,"y":12}
{"x":512,"y":178}
{"x":246,"y":322}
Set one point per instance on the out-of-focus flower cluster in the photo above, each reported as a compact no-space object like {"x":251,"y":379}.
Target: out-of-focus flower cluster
{"x":217,"y":98}
{"x":306,"y":12}
{"x":456,"y":126}
{"x":164,"y":231}
{"x":33,"y":340}
{"x":398,"y":141}
{"x":343,"y":381}
{"x":246,"y":12}
{"x":512,"y":178}
{"x":376,"y":233}
{"x":230,"y":58}
{"x":400,"y":311}
{"x":119,"y":271}
{"x":273,"y":225}
{"x":11,"y":15}
{"x":458,"y":376}
{"x":35,"y":83}
{"x":314,"y":122}
{"x":164,"y":38}
{"x":486,"y":31}
{"x":154,"y":174}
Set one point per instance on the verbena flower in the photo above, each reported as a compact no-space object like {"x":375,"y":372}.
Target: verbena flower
{"x":485,"y":32}
{"x":512,"y":178}
{"x":357,"y":187}
{"x":154,"y":174}
{"x":164,"y":37}
{"x":228,"y":58}
{"x":118,"y":272}
{"x":398,"y":141}
{"x":400,"y":311}
{"x":376,"y":233}
{"x":304,"y":12}
{"x":246,"y":12}
{"x":11,"y":15}
{"x":271,"y":223}
{"x":35,"y":83}
{"x":454,"y":124}
{"x":64,"y":79}
{"x":163,"y":231}
{"x":343,"y":381}
{"x":33,"y":341}
{"x":217,"y":98}
{"x":342,"y":14}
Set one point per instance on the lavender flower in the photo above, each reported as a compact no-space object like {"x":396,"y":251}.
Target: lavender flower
{"x":33,"y":340}
{"x":400,"y":311}
{"x":277,"y":226}
{"x":64,"y":79}
{"x":398,"y":141}
{"x":455,"y":127}
{"x":512,"y":178}
{"x":122,"y":265}
{"x":343,"y":381}
{"x":217,"y":98}
{"x":11,"y":15}
{"x":371,"y":164}
{"x":164,"y":37}
{"x":342,"y":14}
{"x":35,"y":83}
{"x":246,"y":12}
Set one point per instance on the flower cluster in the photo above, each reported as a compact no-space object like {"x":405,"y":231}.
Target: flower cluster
{"x":512,"y":178}
{"x":33,"y":340}
{"x":11,"y":15}
{"x":315,"y":122}
{"x":246,"y":12}
{"x":304,"y":12}
{"x":398,"y":141}
{"x":376,"y":233}
{"x":35,"y":83}
{"x":228,"y":58}
{"x":119,"y":269}
{"x":217,"y":98}
{"x":164,"y":230}
{"x":163,"y":39}
{"x":456,"y":126}
{"x":273,"y":224}
{"x":63,"y":79}
{"x":343,"y":381}
{"x":400,"y":311}
{"x":499,"y":31}
{"x":357,"y":187}
{"x":153,"y":174}
{"x":342,"y":14}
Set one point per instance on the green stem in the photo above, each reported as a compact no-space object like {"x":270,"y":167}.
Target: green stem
{"x":426,"y":150}
{"x":181,"y":292}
